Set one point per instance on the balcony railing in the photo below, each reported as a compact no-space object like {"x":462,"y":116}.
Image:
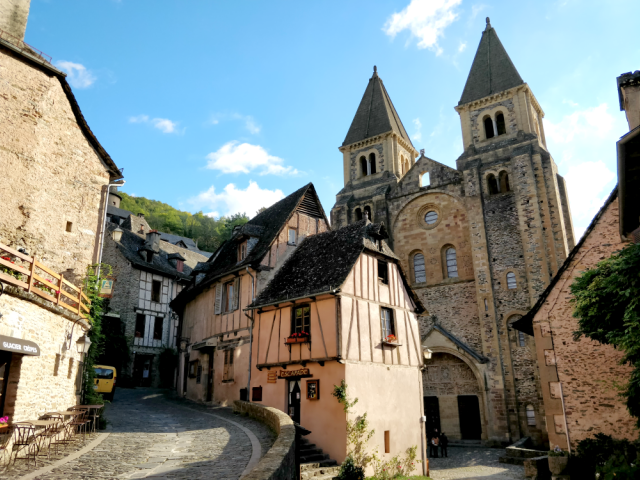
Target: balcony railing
{"x":24,"y":46}
{"x":26,"y":272}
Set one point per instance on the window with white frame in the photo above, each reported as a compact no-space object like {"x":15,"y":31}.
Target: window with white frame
{"x":531,"y":416}
{"x":292,"y":236}
{"x":388,"y":325}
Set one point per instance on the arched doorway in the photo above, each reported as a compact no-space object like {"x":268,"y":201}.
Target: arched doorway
{"x":452,"y":398}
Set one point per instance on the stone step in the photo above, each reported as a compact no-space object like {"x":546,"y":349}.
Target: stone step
{"x":512,"y":460}
{"x":309,"y":448}
{"x":324,"y":464}
{"x":316,"y":457}
{"x":319,"y":473}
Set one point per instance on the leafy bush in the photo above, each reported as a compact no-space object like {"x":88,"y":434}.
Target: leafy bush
{"x":610,"y":458}
{"x":350,"y":471}
{"x":396,"y":467}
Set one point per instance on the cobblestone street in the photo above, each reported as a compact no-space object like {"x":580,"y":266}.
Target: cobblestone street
{"x":465,"y":463}
{"x":155,"y":436}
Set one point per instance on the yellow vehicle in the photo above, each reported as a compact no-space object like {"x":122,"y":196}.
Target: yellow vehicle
{"x":105,"y":381}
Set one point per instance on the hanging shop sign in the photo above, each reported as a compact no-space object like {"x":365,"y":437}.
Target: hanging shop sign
{"x":301,"y":372}
{"x":272,"y":377}
{"x":19,"y":345}
{"x":106,"y":288}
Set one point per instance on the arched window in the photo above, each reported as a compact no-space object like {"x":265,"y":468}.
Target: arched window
{"x":358,"y":214}
{"x":419,"y":274}
{"x":452,"y":262}
{"x":488,"y":127}
{"x":531,"y":416}
{"x":492,"y":183}
{"x":364,"y":167}
{"x":521,"y":341}
{"x":502,"y":129}
{"x":504,"y":182}
{"x":511,"y":281}
{"x":367,"y":210}
{"x":372,"y":163}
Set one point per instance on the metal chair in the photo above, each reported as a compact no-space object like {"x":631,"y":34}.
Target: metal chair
{"x":24,"y":438}
{"x":50,"y":434}
{"x":80,"y":421}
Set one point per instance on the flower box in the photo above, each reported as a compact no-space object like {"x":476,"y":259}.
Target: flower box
{"x":304,"y":339}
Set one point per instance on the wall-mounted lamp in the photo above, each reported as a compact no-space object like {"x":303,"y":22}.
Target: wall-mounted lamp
{"x":116,"y":234}
{"x":83,"y":344}
{"x":427,"y":354}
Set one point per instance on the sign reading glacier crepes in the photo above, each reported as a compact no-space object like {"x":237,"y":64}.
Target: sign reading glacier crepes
{"x":19,"y":345}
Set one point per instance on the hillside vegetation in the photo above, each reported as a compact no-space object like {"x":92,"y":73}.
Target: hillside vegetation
{"x":207,"y":231}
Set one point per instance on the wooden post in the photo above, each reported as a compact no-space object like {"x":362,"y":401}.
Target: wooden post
{"x":32,"y":271}
{"x":60,"y":288}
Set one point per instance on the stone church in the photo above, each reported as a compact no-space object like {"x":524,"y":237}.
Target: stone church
{"x":480,"y":242}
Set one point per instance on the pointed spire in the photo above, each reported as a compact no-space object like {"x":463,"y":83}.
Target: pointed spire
{"x":375,"y":115}
{"x":492,"y":70}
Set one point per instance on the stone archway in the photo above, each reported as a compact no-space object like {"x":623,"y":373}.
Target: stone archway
{"x":453,"y":393}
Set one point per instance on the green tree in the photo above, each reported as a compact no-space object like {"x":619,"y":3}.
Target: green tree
{"x":606,"y":302}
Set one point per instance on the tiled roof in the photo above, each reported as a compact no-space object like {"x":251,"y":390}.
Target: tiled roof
{"x":322,"y":262}
{"x":375,"y":115}
{"x":264,"y":227}
{"x":492,"y":70}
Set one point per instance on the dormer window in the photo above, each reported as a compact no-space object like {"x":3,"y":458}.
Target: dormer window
{"x":242,"y":251}
{"x":292,"y":236}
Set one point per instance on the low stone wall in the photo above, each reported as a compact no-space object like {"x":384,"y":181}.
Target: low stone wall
{"x":279,"y":463}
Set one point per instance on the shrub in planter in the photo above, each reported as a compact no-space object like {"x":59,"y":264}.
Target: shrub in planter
{"x":350,"y":471}
{"x":610,"y":458}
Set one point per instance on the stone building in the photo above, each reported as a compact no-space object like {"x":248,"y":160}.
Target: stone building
{"x":53,"y":190}
{"x":341,"y":308}
{"x":215,"y":330}
{"x":480,"y":242}
{"x":579,"y":378}
{"x":148,"y":272}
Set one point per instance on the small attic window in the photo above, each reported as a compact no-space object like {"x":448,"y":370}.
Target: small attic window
{"x":242,"y":251}
{"x":383,"y":272}
{"x":292,"y":236}
{"x":424,"y":180}
{"x":180,"y":265}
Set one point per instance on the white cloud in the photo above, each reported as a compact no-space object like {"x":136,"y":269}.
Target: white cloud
{"x":586,"y":182}
{"x":425,"y":19}
{"x":234,"y":157}
{"x":163,"y":124}
{"x":249,"y":122}
{"x":77,"y":74}
{"x":595,"y":122}
{"x":462,"y":47}
{"x":236,"y":200}
{"x":418,"y":135}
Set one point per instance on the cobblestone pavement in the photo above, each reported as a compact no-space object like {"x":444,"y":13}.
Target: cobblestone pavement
{"x":158,"y":437}
{"x":474,"y":463}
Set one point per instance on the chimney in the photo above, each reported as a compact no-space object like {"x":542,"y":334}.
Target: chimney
{"x":629,"y":96}
{"x":141,"y":215}
{"x":153,"y":240}
{"x":13,"y":17}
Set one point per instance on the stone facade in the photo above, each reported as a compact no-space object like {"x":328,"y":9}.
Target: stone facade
{"x":584,"y":373}
{"x":502,"y":221}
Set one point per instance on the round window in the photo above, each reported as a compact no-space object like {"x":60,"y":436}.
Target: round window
{"x":431,"y":217}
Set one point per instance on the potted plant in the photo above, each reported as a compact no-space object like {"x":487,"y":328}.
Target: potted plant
{"x":299,"y":337}
{"x":558,"y":461}
{"x":4,"y":422}
{"x":391,"y":339}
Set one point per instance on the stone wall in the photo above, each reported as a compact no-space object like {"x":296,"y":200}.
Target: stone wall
{"x":588,"y":371}
{"x":45,"y":383}
{"x":52,"y":179}
{"x":279,"y":463}
{"x":13,"y":17}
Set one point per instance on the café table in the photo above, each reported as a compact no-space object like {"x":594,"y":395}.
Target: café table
{"x":94,"y":416}
{"x":67,"y":425}
{"x":48,"y":431}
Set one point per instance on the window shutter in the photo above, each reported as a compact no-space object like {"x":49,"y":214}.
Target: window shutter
{"x":218,"y":307}
{"x":236,"y":293}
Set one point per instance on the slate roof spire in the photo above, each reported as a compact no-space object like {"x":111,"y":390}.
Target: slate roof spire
{"x":492,"y":70}
{"x":375,"y":115}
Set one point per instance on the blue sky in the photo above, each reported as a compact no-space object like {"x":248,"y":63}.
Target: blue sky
{"x":228,"y":106}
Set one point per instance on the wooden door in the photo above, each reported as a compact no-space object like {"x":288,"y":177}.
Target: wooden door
{"x":210,"y":378}
{"x":469,"y":413}
{"x":295,"y":393}
{"x":432,"y":411}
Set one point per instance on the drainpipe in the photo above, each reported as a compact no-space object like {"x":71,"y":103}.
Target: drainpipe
{"x":119,"y":183}
{"x":253,"y":297}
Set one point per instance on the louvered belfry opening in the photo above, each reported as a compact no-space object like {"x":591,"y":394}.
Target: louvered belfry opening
{"x":309,"y":206}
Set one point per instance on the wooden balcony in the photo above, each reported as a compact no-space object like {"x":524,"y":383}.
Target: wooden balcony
{"x":27,"y":273}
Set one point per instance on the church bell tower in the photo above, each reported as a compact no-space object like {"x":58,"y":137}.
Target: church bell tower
{"x":377,"y":153}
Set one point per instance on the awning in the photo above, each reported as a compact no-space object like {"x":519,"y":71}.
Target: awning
{"x":208,"y":343}
{"x":19,"y":345}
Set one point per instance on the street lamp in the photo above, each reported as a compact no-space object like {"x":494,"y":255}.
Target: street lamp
{"x":116,"y":234}
{"x":83,"y":344}
{"x":427,"y":354}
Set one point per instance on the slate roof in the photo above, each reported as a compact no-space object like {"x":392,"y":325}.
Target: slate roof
{"x":323,"y":262}
{"x":492,"y":70}
{"x":130,"y":244}
{"x":118,"y":212}
{"x":525,"y":324}
{"x":375,"y":115}
{"x":265,"y":227}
